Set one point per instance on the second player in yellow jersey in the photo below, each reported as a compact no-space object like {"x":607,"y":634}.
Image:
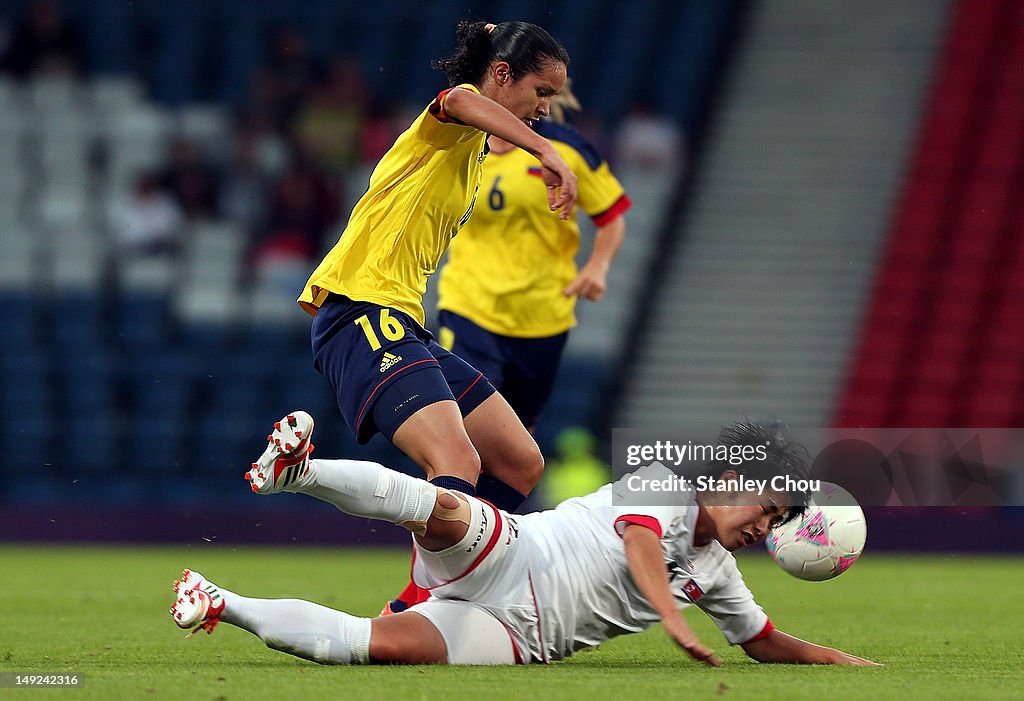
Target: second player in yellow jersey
{"x":514,"y":259}
{"x":509,"y":290}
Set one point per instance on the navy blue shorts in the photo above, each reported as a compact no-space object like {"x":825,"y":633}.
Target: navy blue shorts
{"x":522,"y":369}
{"x":384,"y":367}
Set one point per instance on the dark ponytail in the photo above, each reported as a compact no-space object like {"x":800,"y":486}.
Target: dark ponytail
{"x":524,"y":46}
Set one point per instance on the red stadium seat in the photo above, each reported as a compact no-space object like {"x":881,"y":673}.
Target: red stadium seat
{"x":946,"y":316}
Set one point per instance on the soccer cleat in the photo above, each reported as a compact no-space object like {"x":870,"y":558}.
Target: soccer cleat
{"x":286,"y":458}
{"x":412,"y":594}
{"x":391,"y":608}
{"x":198,"y":603}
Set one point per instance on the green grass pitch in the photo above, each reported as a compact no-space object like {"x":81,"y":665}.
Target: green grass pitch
{"x":947,"y":627}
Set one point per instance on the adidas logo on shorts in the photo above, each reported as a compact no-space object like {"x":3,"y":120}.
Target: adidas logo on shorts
{"x":389,"y":360}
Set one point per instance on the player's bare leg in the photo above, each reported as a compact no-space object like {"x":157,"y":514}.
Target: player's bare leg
{"x":436,"y":439}
{"x":406,"y":638}
{"x":507,"y":450}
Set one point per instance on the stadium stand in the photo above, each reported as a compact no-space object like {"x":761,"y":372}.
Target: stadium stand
{"x":763,"y":275}
{"x":940,"y":343}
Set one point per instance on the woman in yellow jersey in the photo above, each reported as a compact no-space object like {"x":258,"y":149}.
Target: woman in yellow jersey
{"x":388,"y":372}
{"x":509,"y":289}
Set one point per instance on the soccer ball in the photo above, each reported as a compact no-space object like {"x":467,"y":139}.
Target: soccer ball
{"x":825,"y":540}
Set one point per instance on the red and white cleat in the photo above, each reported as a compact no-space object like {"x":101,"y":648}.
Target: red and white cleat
{"x":198,"y":603}
{"x":286,"y":458}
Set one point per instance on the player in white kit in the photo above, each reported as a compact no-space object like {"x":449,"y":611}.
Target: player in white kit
{"x":529,"y":588}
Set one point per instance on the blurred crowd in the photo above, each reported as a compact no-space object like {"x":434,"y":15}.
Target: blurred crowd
{"x":300,"y":149}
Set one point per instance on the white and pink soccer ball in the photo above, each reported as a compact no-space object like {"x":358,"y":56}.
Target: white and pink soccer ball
{"x":825,"y":540}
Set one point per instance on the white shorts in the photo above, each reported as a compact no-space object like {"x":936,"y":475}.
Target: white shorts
{"x":471,"y":635}
{"x":490,"y":568}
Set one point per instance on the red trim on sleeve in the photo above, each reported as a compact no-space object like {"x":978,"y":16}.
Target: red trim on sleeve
{"x":620,"y":206}
{"x":648,"y":521}
{"x":765,"y":632}
{"x":437,"y":108}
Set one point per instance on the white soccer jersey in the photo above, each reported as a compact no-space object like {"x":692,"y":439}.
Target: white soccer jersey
{"x":559,"y":580}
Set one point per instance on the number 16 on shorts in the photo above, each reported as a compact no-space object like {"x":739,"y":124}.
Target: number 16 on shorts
{"x":390,"y":328}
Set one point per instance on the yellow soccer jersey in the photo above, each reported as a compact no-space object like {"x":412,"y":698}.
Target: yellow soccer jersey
{"x":420,"y":194}
{"x":509,"y":265}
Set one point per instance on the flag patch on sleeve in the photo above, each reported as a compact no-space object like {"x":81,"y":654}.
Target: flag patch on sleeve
{"x":693,"y":591}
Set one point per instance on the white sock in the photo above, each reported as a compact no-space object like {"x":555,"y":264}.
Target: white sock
{"x":369,"y":489}
{"x":301,"y":628}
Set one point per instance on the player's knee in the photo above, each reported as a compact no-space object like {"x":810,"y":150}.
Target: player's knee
{"x":452,"y":507}
{"x":394,"y":649}
{"x":520,"y":466}
{"x":470,"y":464}
{"x":530,"y":467}
{"x":448,"y":523}
{"x":462,"y":461}
{"x":536,"y":464}
{"x":406,"y":638}
{"x":385,"y":649}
